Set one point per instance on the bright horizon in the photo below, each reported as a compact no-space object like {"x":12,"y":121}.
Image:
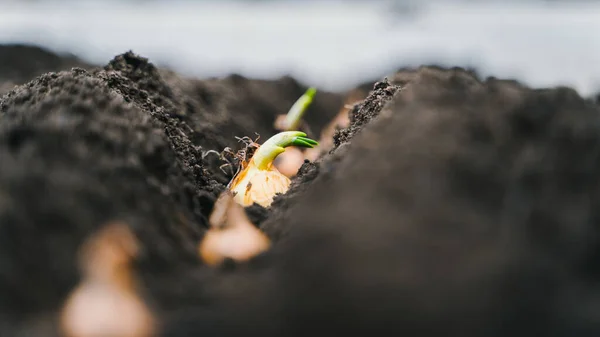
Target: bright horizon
{"x":332,"y":45}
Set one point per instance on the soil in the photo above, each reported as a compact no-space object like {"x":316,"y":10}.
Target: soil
{"x":21,"y":63}
{"x":451,"y":205}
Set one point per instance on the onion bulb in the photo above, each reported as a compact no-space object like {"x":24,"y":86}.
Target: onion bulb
{"x":231,"y":234}
{"x":259,"y":181}
{"x":106,"y":302}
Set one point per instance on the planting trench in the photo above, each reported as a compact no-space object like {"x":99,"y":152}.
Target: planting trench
{"x":450,"y":205}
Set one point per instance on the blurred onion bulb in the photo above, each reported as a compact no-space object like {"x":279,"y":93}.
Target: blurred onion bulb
{"x":259,"y":181}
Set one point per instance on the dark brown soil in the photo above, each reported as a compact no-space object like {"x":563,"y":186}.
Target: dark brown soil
{"x":80,"y":149}
{"x":216,"y":111}
{"x":465,"y":208}
{"x":75,"y":156}
{"x":22,"y":63}
{"x":326,"y":166}
{"x":451,"y":206}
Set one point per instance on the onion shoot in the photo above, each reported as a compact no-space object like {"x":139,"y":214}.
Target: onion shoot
{"x":293,"y":119}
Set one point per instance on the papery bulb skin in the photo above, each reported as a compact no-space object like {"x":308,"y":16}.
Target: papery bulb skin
{"x":261,"y":186}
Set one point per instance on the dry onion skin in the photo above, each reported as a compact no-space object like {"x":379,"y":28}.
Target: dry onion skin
{"x":259,"y":181}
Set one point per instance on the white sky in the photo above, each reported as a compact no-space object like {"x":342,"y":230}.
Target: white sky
{"x":330,"y":44}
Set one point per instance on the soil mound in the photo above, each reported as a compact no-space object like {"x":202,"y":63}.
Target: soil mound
{"x":81,"y":149}
{"x":464,"y":208}
{"x":22,"y":63}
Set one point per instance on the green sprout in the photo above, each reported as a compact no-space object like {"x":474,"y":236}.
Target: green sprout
{"x":276,"y":145}
{"x":294,"y":116}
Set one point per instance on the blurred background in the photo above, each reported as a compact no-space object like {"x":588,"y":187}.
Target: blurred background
{"x":331,"y":44}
